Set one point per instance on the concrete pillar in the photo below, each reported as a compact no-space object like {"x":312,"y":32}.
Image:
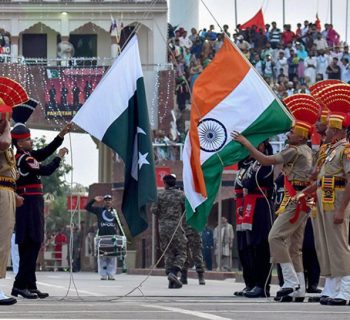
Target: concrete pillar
{"x":14,"y":49}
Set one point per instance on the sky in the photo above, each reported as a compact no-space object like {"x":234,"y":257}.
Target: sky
{"x":84,"y":154}
{"x":295,"y":11}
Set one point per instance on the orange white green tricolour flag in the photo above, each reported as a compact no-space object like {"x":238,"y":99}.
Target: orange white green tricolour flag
{"x":228,"y":95}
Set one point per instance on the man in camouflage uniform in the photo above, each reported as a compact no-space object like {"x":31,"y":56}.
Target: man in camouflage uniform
{"x":286,"y":235}
{"x":169,"y":210}
{"x":194,"y":255}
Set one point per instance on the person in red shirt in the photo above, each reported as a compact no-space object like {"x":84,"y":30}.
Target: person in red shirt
{"x":60,"y":240}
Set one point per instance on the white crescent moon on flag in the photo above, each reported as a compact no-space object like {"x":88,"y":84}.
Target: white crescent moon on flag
{"x":137,"y":156}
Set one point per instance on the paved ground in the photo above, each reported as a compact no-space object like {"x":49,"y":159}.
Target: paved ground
{"x":153,"y":300}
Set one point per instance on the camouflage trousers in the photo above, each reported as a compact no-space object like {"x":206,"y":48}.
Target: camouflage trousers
{"x":176,"y":254}
{"x":194,"y":253}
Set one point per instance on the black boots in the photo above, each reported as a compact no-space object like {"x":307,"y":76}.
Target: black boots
{"x":201,"y":278}
{"x":174,"y":282}
{"x":184,"y":277}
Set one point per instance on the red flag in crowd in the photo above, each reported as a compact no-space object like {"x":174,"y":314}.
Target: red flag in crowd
{"x":257,"y":20}
{"x":318,"y":23}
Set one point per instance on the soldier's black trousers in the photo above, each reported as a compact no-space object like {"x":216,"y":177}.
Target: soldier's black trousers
{"x":28,"y":254}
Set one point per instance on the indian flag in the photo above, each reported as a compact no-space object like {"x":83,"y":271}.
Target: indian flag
{"x":228,"y":95}
{"x":116,"y":113}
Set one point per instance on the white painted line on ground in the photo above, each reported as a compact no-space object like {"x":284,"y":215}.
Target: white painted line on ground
{"x":72,"y":289}
{"x":188,"y":312}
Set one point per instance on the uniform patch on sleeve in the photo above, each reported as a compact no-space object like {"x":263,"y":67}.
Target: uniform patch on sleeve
{"x":32,"y":163}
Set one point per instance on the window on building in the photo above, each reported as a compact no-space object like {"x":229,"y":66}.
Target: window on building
{"x":34,"y":45}
{"x":85,"y":46}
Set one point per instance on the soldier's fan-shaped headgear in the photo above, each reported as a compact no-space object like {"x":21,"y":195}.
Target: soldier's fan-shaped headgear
{"x":21,"y":115}
{"x":315,"y":89}
{"x":11,"y":95}
{"x":337,"y":99}
{"x":305,"y":110}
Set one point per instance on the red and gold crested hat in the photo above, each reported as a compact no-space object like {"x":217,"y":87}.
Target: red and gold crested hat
{"x":315,"y":89}
{"x":318,"y":86}
{"x":305,"y":110}
{"x":336,"y":98}
{"x":11,"y":95}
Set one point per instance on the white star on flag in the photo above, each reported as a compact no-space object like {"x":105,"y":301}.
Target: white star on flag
{"x":143,"y":159}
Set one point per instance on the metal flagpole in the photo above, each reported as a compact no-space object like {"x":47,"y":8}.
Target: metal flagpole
{"x":331,"y":12}
{"x":284,"y":12}
{"x":236,"y":18}
{"x":346,"y":20}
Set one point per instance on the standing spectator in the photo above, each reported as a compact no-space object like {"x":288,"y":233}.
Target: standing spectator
{"x":346,"y":53}
{"x":310,"y":67}
{"x":30,"y":217}
{"x":282,"y":64}
{"x":266,"y":51}
{"x":322,"y":63}
{"x":288,"y":35}
{"x":269,"y":70}
{"x":345,"y":70}
{"x":108,"y":225}
{"x":333,"y":36}
{"x":275,"y":35}
{"x":333,"y":70}
{"x":169,"y":210}
{"x":293,"y":62}
{"x":60,"y":240}
{"x":227,"y":237}
{"x":226,"y":27}
{"x":320,"y":42}
{"x":208,"y":245}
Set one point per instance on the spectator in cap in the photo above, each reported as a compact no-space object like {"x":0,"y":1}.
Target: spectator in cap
{"x":108,"y":225}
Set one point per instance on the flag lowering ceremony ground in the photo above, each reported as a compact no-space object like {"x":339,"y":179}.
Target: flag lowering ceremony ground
{"x":104,"y":300}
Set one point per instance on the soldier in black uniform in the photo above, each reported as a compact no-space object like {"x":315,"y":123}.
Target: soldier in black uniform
{"x":30,"y":217}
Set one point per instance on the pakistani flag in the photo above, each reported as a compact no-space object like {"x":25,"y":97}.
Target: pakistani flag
{"x":228,"y":95}
{"x":116,"y":114}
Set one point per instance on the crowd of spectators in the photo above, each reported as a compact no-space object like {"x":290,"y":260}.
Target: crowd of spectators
{"x":289,"y":61}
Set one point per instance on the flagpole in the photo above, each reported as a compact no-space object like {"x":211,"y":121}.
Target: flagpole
{"x":346,"y":20}
{"x":236,"y":15}
{"x":331,"y":12}
{"x":284,"y":12}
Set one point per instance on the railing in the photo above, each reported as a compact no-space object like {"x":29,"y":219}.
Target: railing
{"x":74,"y":62}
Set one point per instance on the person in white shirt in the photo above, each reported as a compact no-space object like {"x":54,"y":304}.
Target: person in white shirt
{"x":345,"y":70}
